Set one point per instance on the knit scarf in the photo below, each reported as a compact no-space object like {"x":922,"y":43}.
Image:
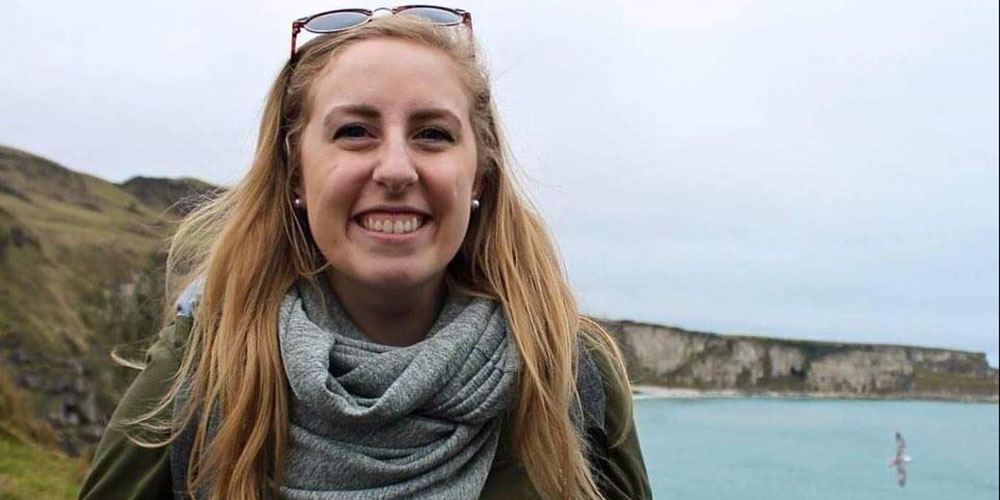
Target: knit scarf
{"x":371,"y":421}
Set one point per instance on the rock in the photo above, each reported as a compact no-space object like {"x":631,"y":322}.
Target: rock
{"x":785,"y":361}
{"x":89,"y":412}
{"x":28,"y":381}
{"x":20,"y":357}
{"x":860,"y":372}
{"x":92,"y":432}
{"x":672,"y":357}
{"x":75,"y":367}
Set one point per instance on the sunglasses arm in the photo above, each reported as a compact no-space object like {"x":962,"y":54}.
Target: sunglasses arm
{"x":296,"y":27}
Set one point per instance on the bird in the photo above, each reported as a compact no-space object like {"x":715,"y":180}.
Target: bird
{"x":901,"y":459}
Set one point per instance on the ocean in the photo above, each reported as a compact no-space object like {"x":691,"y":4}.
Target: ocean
{"x":801,"y":449}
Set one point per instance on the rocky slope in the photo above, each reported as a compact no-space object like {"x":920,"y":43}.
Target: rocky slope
{"x":80,"y":274}
{"x":675,"y":358}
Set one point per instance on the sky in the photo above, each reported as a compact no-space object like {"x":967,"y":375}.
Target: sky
{"x":819,"y":170}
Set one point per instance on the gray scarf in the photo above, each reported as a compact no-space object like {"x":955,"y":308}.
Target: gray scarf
{"x":382,"y":422}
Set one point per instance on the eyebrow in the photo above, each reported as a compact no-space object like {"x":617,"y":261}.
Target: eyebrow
{"x":433,"y":114}
{"x":361,"y":110}
{"x":370,"y":112}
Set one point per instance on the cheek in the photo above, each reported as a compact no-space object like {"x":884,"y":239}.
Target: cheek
{"x":454,"y":193}
{"x":320,"y":167}
{"x":464,"y":175}
{"x":329,"y":178}
{"x":330,"y":194}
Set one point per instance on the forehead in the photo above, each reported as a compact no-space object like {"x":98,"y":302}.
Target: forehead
{"x":392,"y":75}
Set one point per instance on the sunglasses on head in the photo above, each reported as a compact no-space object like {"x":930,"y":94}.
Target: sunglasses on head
{"x":344,"y":19}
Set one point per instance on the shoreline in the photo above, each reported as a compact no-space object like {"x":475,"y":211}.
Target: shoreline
{"x":642,"y":391}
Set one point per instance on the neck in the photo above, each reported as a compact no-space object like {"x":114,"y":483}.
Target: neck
{"x":397,"y":317}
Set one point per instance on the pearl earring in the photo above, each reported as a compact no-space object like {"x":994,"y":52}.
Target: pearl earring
{"x":298,"y":203}
{"x":475,"y":204}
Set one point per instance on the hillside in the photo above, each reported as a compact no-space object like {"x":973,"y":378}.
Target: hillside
{"x":179,"y":196}
{"x":80,"y":272}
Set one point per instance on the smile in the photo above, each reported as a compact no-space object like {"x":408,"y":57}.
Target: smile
{"x":390,"y":223}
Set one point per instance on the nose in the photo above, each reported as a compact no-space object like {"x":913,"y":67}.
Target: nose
{"x":395,"y":170}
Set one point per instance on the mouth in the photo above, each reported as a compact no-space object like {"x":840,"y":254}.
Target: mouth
{"x":391,"y":222}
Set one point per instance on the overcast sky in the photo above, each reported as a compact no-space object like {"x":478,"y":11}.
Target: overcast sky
{"x":822,"y":170}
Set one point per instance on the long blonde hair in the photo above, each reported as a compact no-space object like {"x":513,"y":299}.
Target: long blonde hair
{"x":250,"y":247}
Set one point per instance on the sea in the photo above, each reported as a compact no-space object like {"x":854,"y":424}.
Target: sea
{"x":768,"y":448}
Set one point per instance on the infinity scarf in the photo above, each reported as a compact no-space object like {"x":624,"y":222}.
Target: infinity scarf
{"x":370,"y":421}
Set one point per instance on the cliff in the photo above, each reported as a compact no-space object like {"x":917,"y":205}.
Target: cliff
{"x":674,"y":358}
{"x":81,"y":267}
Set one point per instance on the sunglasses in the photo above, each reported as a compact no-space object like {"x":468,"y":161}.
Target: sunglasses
{"x":344,"y":19}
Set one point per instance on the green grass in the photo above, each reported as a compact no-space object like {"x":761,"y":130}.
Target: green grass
{"x":925,"y":380}
{"x":31,"y":473}
{"x":30,"y":469}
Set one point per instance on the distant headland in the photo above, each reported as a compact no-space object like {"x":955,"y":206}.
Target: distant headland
{"x":668,"y":361}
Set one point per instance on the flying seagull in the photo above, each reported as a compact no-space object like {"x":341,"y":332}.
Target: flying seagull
{"x":901,"y":459}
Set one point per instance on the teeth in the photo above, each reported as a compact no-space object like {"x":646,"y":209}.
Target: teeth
{"x":391,"y":226}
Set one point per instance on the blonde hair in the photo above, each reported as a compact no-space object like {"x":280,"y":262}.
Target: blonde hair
{"x":250,"y":246}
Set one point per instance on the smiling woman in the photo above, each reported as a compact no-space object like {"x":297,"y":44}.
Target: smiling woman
{"x":375,"y":311}
{"x":388,"y":178}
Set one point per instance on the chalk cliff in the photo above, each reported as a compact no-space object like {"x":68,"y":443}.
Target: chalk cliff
{"x":675,"y":358}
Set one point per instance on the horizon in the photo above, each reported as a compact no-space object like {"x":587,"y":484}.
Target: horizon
{"x":824,"y":171}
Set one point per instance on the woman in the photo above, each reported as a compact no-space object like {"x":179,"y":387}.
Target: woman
{"x":380,"y":313}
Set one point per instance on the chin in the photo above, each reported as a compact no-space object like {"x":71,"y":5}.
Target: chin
{"x":394,"y":278}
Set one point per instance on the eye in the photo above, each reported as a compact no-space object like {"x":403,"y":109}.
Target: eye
{"x":434,"y":134}
{"x":353,"y":131}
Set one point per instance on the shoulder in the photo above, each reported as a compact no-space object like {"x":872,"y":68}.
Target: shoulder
{"x":162,"y":361}
{"x":174,"y":336}
{"x":121,"y":467}
{"x":603,"y":353}
{"x":623,"y":471}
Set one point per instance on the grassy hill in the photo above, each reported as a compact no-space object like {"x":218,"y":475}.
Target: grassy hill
{"x":66,"y":240}
{"x":80,"y":273}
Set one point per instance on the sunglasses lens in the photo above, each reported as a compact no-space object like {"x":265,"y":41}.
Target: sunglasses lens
{"x":335,"y":21}
{"x":433,"y":14}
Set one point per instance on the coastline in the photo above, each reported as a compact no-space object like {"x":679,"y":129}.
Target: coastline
{"x":643,"y":391}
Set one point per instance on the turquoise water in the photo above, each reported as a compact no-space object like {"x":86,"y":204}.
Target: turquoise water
{"x":817,"y":449}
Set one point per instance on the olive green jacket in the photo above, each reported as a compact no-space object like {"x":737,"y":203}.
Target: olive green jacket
{"x":122,"y":470}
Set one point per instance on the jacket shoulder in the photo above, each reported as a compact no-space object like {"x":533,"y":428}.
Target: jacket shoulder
{"x":622,"y":468}
{"x":122,"y":468}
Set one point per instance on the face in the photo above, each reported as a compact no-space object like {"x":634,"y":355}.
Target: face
{"x":388,"y":165}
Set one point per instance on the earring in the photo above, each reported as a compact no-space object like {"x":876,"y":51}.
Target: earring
{"x":298,"y":203}
{"x":475,"y":204}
